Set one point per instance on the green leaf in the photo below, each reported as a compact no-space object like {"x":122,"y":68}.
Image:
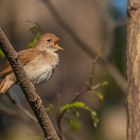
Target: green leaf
{"x":75,"y":125}
{"x":93,"y":115}
{"x":94,"y":118}
{"x":1,"y":53}
{"x":104,"y":83}
{"x":99,"y":95}
{"x":36,"y":34}
{"x":72,"y":105}
{"x":51,"y":108}
{"x":76,"y":112}
{"x":80,"y":105}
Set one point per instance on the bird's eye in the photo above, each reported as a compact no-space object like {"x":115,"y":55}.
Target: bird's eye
{"x":49,"y":40}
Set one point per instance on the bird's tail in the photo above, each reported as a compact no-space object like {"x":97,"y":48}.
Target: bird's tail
{"x":5,"y":83}
{"x":1,"y":86}
{"x":2,"y":83}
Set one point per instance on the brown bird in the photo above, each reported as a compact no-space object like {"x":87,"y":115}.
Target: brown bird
{"x":38,"y":62}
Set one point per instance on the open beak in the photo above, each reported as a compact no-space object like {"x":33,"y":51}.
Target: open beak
{"x":58,"y":47}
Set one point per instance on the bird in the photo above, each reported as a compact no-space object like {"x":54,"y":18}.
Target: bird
{"x":38,"y":62}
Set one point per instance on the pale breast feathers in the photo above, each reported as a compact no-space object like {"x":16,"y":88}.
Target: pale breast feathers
{"x":38,"y":65}
{"x":25,"y":56}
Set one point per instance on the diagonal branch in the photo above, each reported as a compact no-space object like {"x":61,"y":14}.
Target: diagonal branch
{"x":111,"y":68}
{"x":28,"y":88}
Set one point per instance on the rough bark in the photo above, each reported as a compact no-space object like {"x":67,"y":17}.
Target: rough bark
{"x":28,"y":88}
{"x":133,"y":70}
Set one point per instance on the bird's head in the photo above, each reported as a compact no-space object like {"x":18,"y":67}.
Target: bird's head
{"x":49,"y":41}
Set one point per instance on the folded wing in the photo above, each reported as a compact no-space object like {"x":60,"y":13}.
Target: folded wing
{"x":25,"y":56}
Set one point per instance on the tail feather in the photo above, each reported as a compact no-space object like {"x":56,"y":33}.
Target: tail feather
{"x":2,"y":86}
{"x":2,"y":79}
{"x":6,"y":83}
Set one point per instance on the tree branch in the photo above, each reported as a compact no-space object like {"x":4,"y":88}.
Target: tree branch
{"x":28,"y":88}
{"x":133,"y":70}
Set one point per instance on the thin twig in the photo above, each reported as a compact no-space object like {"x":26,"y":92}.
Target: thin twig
{"x":8,"y":111}
{"x":92,"y":74}
{"x":28,"y":88}
{"x":111,"y":68}
{"x":23,"y":110}
{"x":59,"y":119}
{"x":87,"y":88}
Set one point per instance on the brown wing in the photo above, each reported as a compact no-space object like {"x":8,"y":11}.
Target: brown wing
{"x":28,"y":54}
{"x":25,"y":56}
{"x":5,"y":71}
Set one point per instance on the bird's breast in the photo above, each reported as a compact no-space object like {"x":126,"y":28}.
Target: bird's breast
{"x":39,"y":69}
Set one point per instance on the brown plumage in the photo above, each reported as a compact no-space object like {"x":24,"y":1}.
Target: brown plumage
{"x":38,"y":63}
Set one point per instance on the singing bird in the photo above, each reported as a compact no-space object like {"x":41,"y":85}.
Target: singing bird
{"x":38,"y":62}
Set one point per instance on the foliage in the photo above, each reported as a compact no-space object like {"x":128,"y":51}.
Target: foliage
{"x":75,"y":109}
{"x":36,"y":34}
{"x":75,"y":106}
{"x":75,"y":125}
{"x":81,"y":105}
{"x":1,"y":53}
{"x":100,"y":95}
{"x":51,"y":108}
